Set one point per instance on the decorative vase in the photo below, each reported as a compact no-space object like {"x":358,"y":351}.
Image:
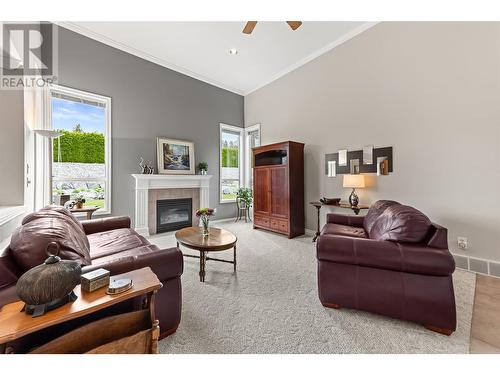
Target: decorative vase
{"x":203,"y":172}
{"x":353,"y":198}
{"x":206,"y":230}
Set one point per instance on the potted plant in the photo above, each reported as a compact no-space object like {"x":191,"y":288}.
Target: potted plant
{"x":244,"y":197}
{"x":79,"y":201}
{"x":204,"y":214}
{"x":203,"y":167}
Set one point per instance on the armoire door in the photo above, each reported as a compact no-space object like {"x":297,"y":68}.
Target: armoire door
{"x":279,"y":192}
{"x":262,"y":191}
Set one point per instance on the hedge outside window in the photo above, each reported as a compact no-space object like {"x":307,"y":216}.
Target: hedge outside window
{"x":81,"y":156}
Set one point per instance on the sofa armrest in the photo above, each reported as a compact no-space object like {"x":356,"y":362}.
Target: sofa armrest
{"x":105,"y":224}
{"x":402,"y":257}
{"x":351,"y":220}
{"x":166,"y":263}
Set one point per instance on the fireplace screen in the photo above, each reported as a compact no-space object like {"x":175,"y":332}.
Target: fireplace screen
{"x":173,"y":214}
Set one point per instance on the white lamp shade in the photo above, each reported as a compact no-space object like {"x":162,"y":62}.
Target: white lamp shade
{"x":354,"y":181}
{"x":48,"y":133}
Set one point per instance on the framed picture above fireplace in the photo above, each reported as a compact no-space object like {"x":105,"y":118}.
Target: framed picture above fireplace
{"x":175,"y":156}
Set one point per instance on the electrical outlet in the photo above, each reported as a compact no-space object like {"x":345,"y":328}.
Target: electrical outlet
{"x":462,"y":243}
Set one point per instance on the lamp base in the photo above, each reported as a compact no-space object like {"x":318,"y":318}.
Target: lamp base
{"x":353,"y":198}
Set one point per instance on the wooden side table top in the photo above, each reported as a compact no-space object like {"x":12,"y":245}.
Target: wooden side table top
{"x":89,"y":210}
{"x":15,"y":324}
{"x":341,"y":205}
{"x":84,"y":209}
{"x":217,"y":239}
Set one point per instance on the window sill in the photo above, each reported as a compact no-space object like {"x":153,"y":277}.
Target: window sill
{"x":224,"y":202}
{"x":10,"y":219}
{"x":7,"y":213}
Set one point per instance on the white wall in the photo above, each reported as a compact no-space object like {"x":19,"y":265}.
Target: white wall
{"x":430,"y":90}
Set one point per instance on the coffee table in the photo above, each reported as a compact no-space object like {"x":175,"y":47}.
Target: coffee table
{"x":217,"y":240}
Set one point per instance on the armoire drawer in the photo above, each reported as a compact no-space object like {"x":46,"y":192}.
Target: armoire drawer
{"x":262,"y":221}
{"x":280,"y":225}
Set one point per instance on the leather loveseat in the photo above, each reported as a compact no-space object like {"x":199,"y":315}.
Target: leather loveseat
{"x":108,"y":243}
{"x":394,"y":261}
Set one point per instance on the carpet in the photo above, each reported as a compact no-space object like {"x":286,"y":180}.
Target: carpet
{"x":271,"y":306}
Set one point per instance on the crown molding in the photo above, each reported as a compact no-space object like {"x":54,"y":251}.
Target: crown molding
{"x":144,"y":55}
{"x":316,"y":54}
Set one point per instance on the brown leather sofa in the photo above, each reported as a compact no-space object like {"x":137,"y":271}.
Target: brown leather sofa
{"x":393,"y":262}
{"x":108,"y":243}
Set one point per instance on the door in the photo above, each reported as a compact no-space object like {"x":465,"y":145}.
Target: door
{"x":279,"y":192}
{"x":262,"y":191}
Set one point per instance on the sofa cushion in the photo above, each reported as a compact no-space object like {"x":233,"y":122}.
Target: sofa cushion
{"x":343,"y":230}
{"x":375,"y":211}
{"x":103,"y":244}
{"x":50,"y":224}
{"x":411,"y":258}
{"x":401,"y":224}
{"x":165,"y":263}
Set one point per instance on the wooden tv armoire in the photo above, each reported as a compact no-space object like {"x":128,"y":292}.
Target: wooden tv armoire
{"x":278,"y":183}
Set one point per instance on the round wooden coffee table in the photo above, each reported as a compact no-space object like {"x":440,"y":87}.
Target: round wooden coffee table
{"x":217,"y":240}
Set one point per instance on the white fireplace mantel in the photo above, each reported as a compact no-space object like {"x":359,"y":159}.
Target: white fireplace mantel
{"x":146,"y":182}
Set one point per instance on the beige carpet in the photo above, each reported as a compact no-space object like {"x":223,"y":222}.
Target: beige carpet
{"x":271,"y":306}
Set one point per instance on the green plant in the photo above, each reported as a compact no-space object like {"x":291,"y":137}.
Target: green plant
{"x":245,"y":195}
{"x":57,"y":191}
{"x":79,"y":200}
{"x":203,"y":166}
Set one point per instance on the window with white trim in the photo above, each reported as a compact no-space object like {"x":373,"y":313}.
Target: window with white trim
{"x":231,"y":162}
{"x":80,"y":164}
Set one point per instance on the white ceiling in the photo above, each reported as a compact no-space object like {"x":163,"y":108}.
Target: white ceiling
{"x":201,"y":49}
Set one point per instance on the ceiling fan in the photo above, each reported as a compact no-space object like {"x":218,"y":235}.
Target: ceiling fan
{"x":294,"y":25}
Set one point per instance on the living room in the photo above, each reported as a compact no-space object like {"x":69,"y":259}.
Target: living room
{"x":224,"y":186}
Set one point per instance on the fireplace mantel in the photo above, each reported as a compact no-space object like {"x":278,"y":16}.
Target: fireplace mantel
{"x":146,"y":182}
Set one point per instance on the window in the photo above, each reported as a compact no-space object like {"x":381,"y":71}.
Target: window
{"x":252,"y":139}
{"x":81,"y":155}
{"x":231,"y":157}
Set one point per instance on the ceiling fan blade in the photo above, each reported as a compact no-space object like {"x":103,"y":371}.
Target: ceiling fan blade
{"x":294,"y":24}
{"x":249,"y":27}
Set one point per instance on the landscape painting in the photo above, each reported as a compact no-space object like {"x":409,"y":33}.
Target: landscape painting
{"x":175,"y":156}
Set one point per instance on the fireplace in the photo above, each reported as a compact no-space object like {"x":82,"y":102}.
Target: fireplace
{"x":173,"y":214}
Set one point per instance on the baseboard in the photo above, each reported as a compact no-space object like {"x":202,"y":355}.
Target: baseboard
{"x":224,"y":220}
{"x":477,"y":265}
{"x":310,"y":232}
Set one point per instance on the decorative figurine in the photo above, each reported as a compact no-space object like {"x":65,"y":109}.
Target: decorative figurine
{"x":49,"y":285}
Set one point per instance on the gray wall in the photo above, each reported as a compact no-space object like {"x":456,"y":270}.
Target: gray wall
{"x":430,"y":90}
{"x":11,"y":147}
{"x":149,"y":101}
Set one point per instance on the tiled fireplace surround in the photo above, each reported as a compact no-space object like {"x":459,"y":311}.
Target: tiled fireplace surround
{"x":151,"y":188}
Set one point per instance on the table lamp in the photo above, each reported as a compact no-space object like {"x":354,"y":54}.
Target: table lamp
{"x":354,"y":181}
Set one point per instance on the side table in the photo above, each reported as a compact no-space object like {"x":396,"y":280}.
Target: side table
{"x":132,"y":332}
{"x":89,"y":210}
